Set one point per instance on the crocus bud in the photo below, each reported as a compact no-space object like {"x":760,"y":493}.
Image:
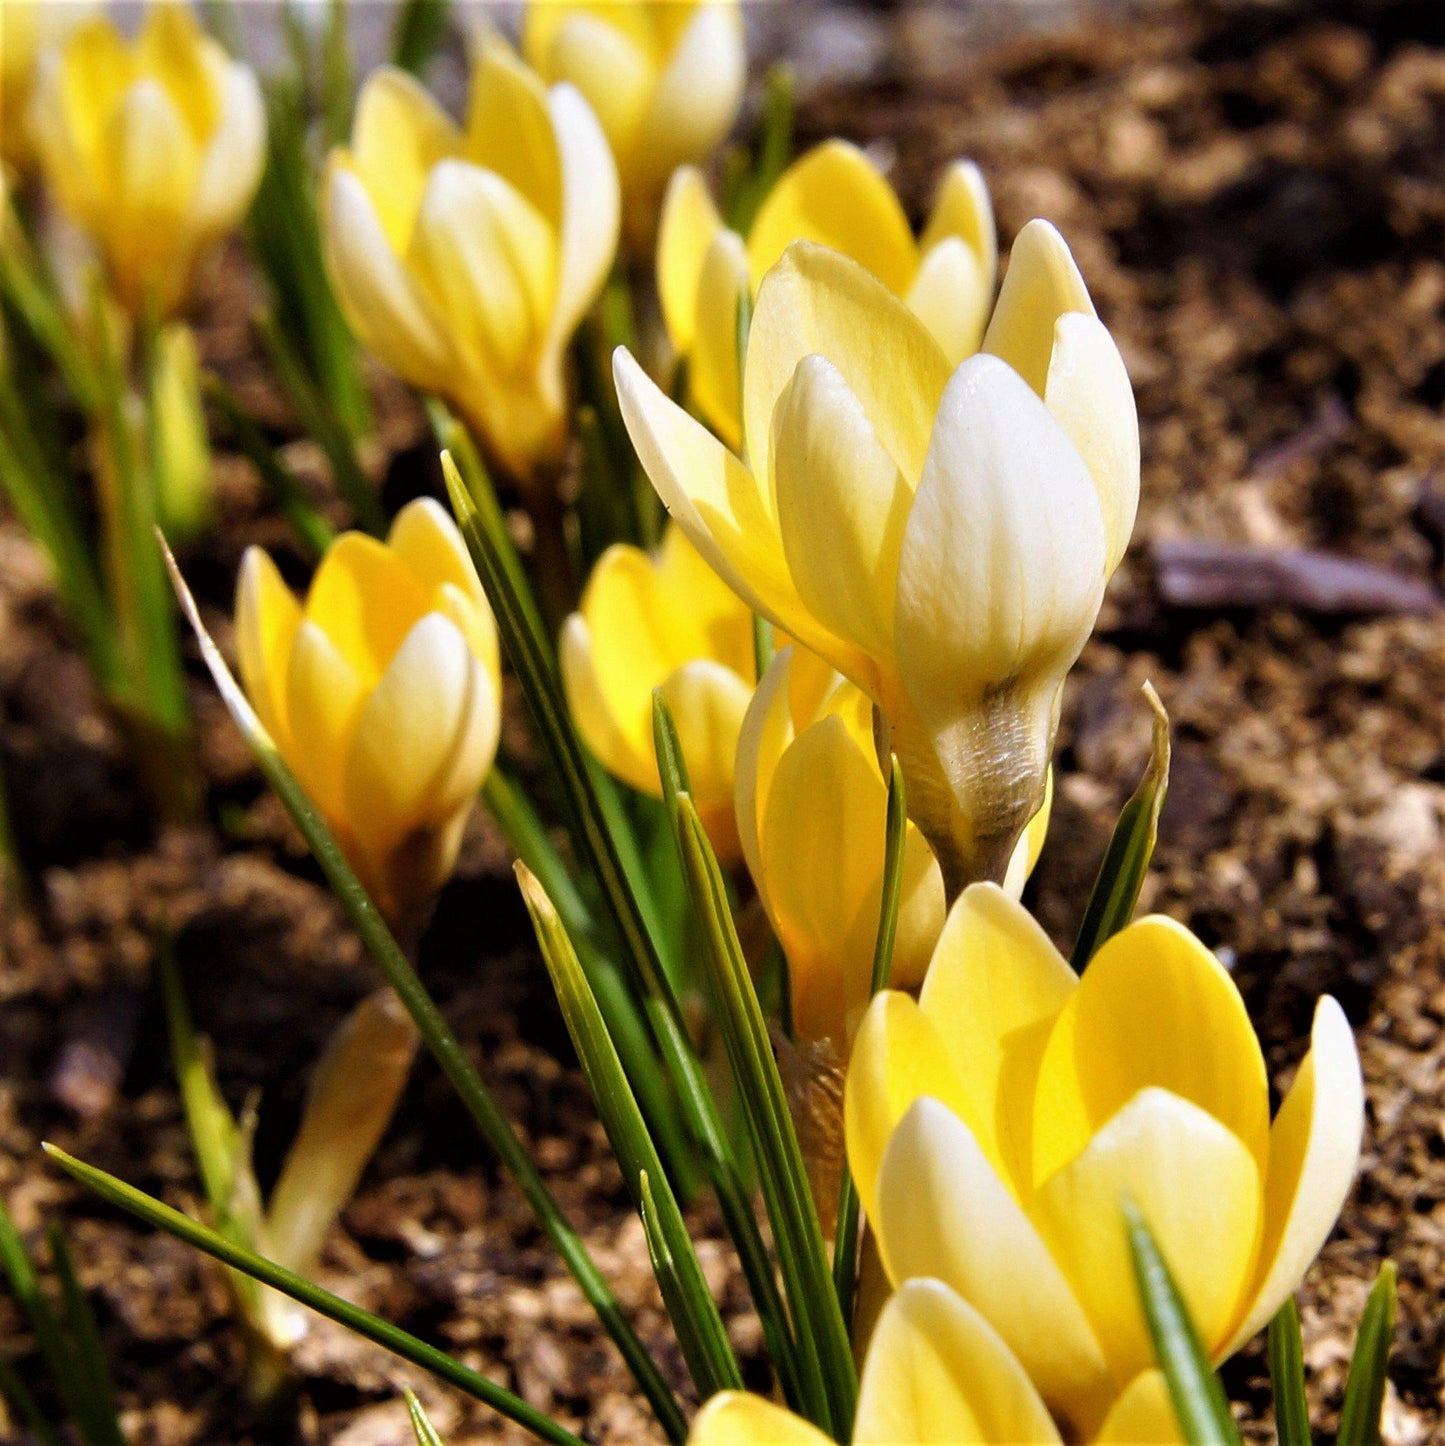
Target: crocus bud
{"x":464,"y":259}
{"x":833,"y":195}
{"x":182,"y":460}
{"x":662,"y":622}
{"x":941,"y":536}
{"x":382,"y":690}
{"x":154,"y":148}
{"x":27,"y":30}
{"x":994,"y":1126}
{"x":665,"y":80}
{"x":937,"y":1370}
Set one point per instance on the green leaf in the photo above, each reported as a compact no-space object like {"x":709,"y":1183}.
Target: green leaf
{"x":752,"y":182}
{"x":423,"y":1429}
{"x":825,"y":1349}
{"x":312,"y":529}
{"x":14,"y":1391}
{"x":1198,"y":1398}
{"x":323,"y":1302}
{"x":1365,"y":1385}
{"x":1287,"y":1377}
{"x":845,"y":1238}
{"x":446,"y":1049}
{"x":1126,"y":860}
{"x":599,"y":836}
{"x":694,"y":1313}
{"x":85,"y":1339}
{"x":420,"y":29}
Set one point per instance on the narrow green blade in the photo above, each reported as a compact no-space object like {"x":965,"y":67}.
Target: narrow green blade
{"x":423,"y":1429}
{"x":1287,"y":1377}
{"x":104,"y":1413}
{"x":1365,"y":1385}
{"x":421,"y":27}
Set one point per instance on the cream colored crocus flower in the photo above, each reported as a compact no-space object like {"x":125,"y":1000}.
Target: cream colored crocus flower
{"x":941,"y":535}
{"x":936,"y":1370}
{"x":28,"y":28}
{"x":154,"y":148}
{"x":382,"y":690}
{"x":464,"y":258}
{"x":662,"y":621}
{"x":994,"y":1126}
{"x":665,"y":80}
{"x":836,"y":196}
{"x":812,"y":808}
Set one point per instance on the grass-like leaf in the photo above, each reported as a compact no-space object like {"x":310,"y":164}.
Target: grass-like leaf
{"x":694,"y":1313}
{"x":1287,"y":1377}
{"x":420,"y":29}
{"x":825,"y":1351}
{"x":1126,"y":860}
{"x":1365,"y":1384}
{"x":422,"y":1429}
{"x":399,"y":1342}
{"x":446,"y":1049}
{"x":1199,"y":1400}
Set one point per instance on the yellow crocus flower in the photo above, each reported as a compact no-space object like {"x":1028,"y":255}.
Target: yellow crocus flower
{"x":812,"y":809}
{"x":464,"y":259}
{"x":28,"y":28}
{"x":941,"y":535}
{"x":153,"y":147}
{"x":665,"y":80}
{"x":937,"y":1371}
{"x":833,"y":195}
{"x":994,"y":1126}
{"x":382,"y":691}
{"x":662,"y":621}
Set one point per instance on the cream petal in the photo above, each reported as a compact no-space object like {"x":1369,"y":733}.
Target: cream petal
{"x":708,"y":701}
{"x":937,"y":1372}
{"x":944,"y":1212}
{"x":950,"y":297}
{"x":1089,"y":393}
{"x":232,"y":165}
{"x":961,"y":208}
{"x":1314,"y":1151}
{"x":1198,"y":1188}
{"x":689,"y":222}
{"x":816,"y":301}
{"x":842,"y":506}
{"x":1041,"y":284}
{"x":713,"y":368}
{"x":382,"y":305}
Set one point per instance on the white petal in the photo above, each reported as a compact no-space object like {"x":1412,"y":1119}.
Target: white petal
{"x":950,"y":297}
{"x":231,"y":168}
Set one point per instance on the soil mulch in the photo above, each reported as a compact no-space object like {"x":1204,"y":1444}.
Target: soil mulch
{"x":1256,"y":194}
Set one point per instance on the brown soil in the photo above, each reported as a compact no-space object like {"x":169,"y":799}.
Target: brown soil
{"x":1256,"y":193}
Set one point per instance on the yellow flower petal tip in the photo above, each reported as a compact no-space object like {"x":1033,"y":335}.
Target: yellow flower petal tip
{"x":835,"y":196}
{"x":662,"y":621}
{"x":940,"y":533}
{"x":153,"y":147}
{"x":666,"y":82}
{"x":382,"y":692}
{"x":994,"y":1126}
{"x":466,"y":257}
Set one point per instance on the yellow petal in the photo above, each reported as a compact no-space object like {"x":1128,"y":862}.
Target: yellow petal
{"x":713,"y":367}
{"x":170,"y":48}
{"x":898,"y":1057}
{"x":267,"y":616}
{"x":509,"y":128}
{"x":96,"y":69}
{"x":943,"y":1212}
{"x":1089,"y":394}
{"x":689,"y":222}
{"x":1147,"y":999}
{"x":950,"y":297}
{"x":1142,"y":1416}
{"x":1196,"y":1186}
{"x":543,"y":21}
{"x":613,"y":734}
{"x":842,"y":506}
{"x":766,"y":730}
{"x":835,"y":196}
{"x":822,"y":856}
{"x":422,"y":742}
{"x":962,"y":209}
{"x":815,"y":300}
{"x":937,"y":1372}
{"x":708,"y":701}
{"x":713,"y":613}
{"x":426,"y":539}
{"x":323,"y":697}
{"x":1031,"y":845}
{"x":1314,"y":1151}
{"x":488,"y":260}
{"x":399,"y":134}
{"x":994,"y":989}
{"x":1041,"y":284}
{"x":366,"y":600}
{"x":735,"y":1418}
